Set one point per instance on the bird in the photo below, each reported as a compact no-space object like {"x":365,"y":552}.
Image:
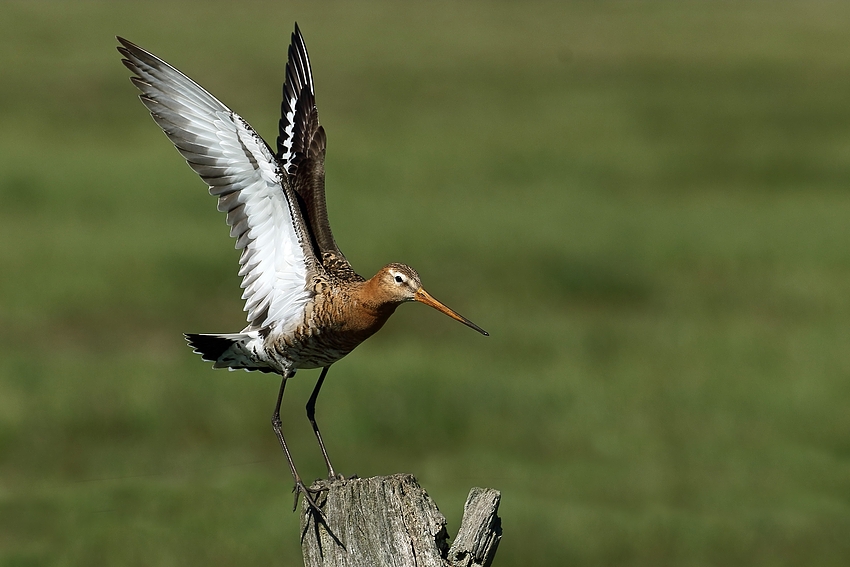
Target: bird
{"x":306,"y":306}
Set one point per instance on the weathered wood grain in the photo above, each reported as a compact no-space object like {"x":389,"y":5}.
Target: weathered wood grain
{"x":391,"y":521}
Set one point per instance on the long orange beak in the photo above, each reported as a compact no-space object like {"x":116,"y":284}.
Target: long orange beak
{"x":423,"y":296}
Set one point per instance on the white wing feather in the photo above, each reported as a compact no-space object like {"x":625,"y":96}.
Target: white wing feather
{"x":242,"y":171}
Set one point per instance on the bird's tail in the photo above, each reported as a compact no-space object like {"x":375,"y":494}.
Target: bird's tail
{"x":232,"y":351}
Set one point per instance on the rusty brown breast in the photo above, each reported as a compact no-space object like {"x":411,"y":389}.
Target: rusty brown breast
{"x":344,"y":312}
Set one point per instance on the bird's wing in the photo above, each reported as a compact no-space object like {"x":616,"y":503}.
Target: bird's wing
{"x":301,"y":144}
{"x":277,"y":259}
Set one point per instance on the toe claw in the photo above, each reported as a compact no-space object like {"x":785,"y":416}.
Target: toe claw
{"x":308,"y":493}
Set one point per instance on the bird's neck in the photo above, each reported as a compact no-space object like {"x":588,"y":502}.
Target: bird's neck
{"x":374,"y":298}
{"x":363,"y":309}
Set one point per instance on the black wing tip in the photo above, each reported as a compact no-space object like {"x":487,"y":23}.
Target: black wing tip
{"x":131,"y":55}
{"x":297,"y":44}
{"x":127,"y":47}
{"x":294,"y":39}
{"x":135,"y":55}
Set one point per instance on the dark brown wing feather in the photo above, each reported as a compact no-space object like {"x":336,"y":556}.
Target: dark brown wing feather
{"x":301,"y":146}
{"x":308,"y":170}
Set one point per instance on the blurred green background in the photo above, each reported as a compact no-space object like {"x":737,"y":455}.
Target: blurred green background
{"x":645,"y":203}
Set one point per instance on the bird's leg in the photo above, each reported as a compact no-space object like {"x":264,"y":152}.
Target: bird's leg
{"x":311,"y":415}
{"x":299,"y":485}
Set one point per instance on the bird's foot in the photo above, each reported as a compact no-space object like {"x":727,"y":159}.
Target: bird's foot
{"x":309,"y":497}
{"x":315,"y":510}
{"x":321,"y":485}
{"x":336,"y":477}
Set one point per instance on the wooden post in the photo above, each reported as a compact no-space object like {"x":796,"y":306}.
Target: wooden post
{"x":391,"y":521}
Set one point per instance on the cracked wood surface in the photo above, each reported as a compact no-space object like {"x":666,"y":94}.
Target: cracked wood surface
{"x":391,"y":521}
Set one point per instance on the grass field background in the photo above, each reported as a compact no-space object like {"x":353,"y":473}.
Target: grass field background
{"x":647,"y":204}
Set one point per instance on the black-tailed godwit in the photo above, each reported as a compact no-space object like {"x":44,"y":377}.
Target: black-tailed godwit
{"x":307,"y":307}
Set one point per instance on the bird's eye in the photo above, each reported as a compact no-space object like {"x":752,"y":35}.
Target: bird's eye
{"x":399,"y":279}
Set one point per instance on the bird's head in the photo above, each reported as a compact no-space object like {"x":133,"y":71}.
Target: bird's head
{"x":400,"y":283}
